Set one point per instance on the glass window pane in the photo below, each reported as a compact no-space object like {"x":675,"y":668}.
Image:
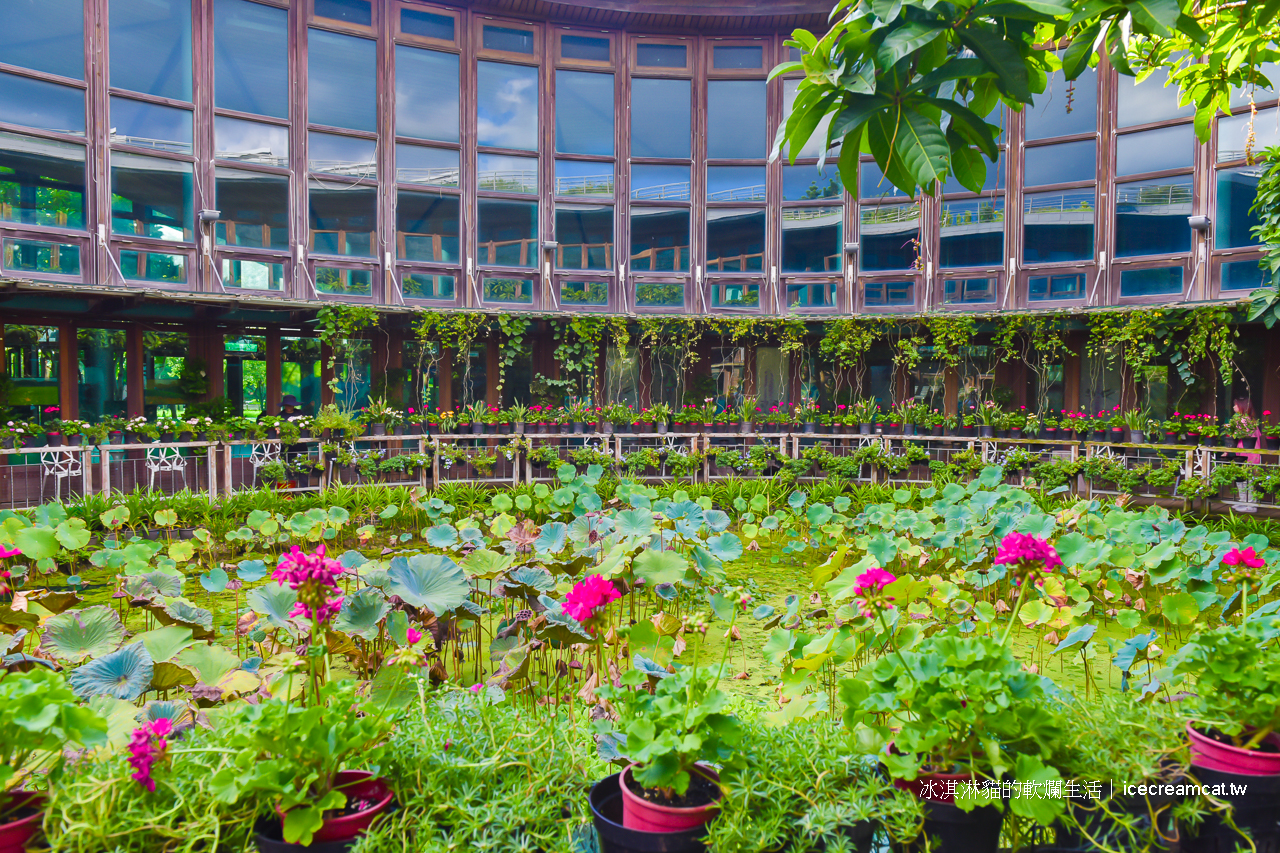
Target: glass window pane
{"x":1270,"y":72}
{"x":660,"y":116}
{"x":251,"y":58}
{"x":508,"y":232}
{"x":499,"y":173}
{"x":731,"y":56}
{"x":507,"y":108}
{"x":419,"y":285}
{"x":254,"y":209}
{"x":348,"y":156}
{"x":872,"y":184}
{"x":661,"y":55}
{"x":1148,"y":101}
{"x":416,"y":22}
{"x":735,"y":240}
{"x":418,"y":164}
{"x":344,"y":282}
{"x":734,"y":294}
{"x":1155,"y":150}
{"x":150,"y":197}
{"x":735,"y":119}
{"x":159,"y":267}
{"x":1058,"y":226}
{"x":818,"y":294}
{"x":1151,"y":217}
{"x":250,"y":141}
{"x":1242,"y":275}
{"x":890,"y":237}
{"x":813,"y":147}
{"x":1160,"y":281}
{"x":1233,"y":224}
{"x":344,"y":221}
{"x":972,"y":233}
{"x":584,"y":293}
{"x":41,"y":182}
{"x":1233,"y":134}
{"x":968,"y":291}
{"x":145,"y":125}
{"x":518,"y":291}
{"x":585,"y":235}
{"x":427,"y":90}
{"x":994,"y":180}
{"x":1060,"y":164}
{"x":342,"y":80}
{"x":735,"y":183}
{"x":508,"y":39}
{"x":660,"y":183}
{"x":1065,"y":107}
{"x":584,"y":48}
{"x":358,"y":12}
{"x":800,"y":183}
{"x":584,"y":113}
{"x":36,"y":103}
{"x":1048,"y":287}
{"x":659,"y":239}
{"x":654,"y":294}
{"x":151,"y":47}
{"x":46,"y":35}
{"x":40,"y":256}
{"x":427,"y":227}
{"x":582,"y":178}
{"x":811,"y":239}
{"x":885,"y":294}
{"x":252,"y":275}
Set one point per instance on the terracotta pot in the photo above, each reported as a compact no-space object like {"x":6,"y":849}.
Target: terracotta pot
{"x":1215,"y":755}
{"x":357,"y":785}
{"x":16,"y":835}
{"x":639,"y":813}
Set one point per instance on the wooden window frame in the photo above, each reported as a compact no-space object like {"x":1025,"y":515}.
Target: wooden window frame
{"x":637,"y":70}
{"x":612,"y":296}
{"x":158,"y":247}
{"x":403,"y":268}
{"x":480,"y":20}
{"x":261,"y":256}
{"x":710,"y":43}
{"x":314,"y":20}
{"x":917,"y":282}
{"x":557,"y":33}
{"x":399,"y":36}
{"x":22,"y":231}
{"x":372,"y":266}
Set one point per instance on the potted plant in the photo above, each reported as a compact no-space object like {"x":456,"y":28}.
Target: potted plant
{"x":1271,"y":432}
{"x":806,"y":414}
{"x":864,"y":414}
{"x":661,"y":415}
{"x":40,"y":717}
{"x":579,"y":412}
{"x":378,"y":416}
{"x":671,"y":735}
{"x":987,"y":416}
{"x":518,"y":415}
{"x":274,"y":472}
{"x":1135,"y":420}
{"x":53,"y":431}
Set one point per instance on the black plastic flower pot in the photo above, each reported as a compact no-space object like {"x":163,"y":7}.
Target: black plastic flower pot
{"x":269,"y":839}
{"x":606,"y":814}
{"x":1150,"y":820}
{"x":950,"y":830}
{"x":1253,"y":811}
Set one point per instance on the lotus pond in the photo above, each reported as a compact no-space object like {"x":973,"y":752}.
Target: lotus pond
{"x":177,"y":674}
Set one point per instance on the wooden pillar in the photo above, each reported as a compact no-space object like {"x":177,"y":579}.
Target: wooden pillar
{"x":444,"y":377}
{"x":1072,"y":367}
{"x":134,"y":363}
{"x":951,"y":391}
{"x":275,"y":377}
{"x":215,"y":355}
{"x":749,"y":369}
{"x":1269,"y":396}
{"x":602,"y":366}
{"x":492,"y":393}
{"x":395,"y":366}
{"x":645,"y":395}
{"x":326,"y":375}
{"x":68,"y":372}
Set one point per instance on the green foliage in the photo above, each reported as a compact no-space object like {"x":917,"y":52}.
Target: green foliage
{"x":39,"y":718}
{"x":1236,"y":669}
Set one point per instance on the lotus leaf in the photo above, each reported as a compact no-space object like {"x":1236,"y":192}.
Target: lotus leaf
{"x":362,"y":613}
{"x":429,"y":581}
{"x":76,"y":635}
{"x":124,"y":674}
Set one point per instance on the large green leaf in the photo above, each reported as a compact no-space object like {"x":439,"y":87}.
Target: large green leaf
{"x":179,"y":611}
{"x":657,"y":567}
{"x":36,"y":543}
{"x":209,"y":662}
{"x":79,"y":634}
{"x":273,"y":602}
{"x":124,"y":674}
{"x":429,"y":581}
{"x":361,"y":613}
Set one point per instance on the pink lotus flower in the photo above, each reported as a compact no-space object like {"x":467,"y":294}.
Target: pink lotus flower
{"x":588,"y":595}
{"x":868,"y":588}
{"x":476,"y":688}
{"x":1247,"y":557}
{"x":1023,"y":548}
{"x":9,"y":552}
{"x":413,"y":635}
{"x":314,"y":577}
{"x":147,"y":745}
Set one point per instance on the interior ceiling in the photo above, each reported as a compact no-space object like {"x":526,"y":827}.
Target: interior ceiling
{"x":699,"y":16}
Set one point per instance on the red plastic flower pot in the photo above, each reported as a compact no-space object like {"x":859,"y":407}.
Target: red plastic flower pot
{"x":359,"y":786}
{"x":647,"y":816}
{"x":1215,"y":755}
{"x":16,"y":835}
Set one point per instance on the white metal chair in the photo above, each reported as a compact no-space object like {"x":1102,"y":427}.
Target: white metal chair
{"x":261,"y":455}
{"x":161,"y":460}
{"x":61,"y":465}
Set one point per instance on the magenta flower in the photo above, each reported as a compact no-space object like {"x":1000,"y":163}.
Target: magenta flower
{"x":588,"y":595}
{"x":1023,"y":548}
{"x":315,"y":578}
{"x":414,"y":635}
{"x":1247,"y":557}
{"x":868,"y":588}
{"x":147,"y":745}
{"x":476,"y":688}
{"x":9,"y":552}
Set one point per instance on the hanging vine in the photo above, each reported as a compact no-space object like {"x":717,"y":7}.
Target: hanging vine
{"x":950,"y":334}
{"x":337,"y":324}
{"x":510,"y":344}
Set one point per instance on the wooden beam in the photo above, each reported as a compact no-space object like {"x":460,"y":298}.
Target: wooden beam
{"x":492,"y":393}
{"x":134,"y":369}
{"x":68,"y":372}
{"x":275,"y":380}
